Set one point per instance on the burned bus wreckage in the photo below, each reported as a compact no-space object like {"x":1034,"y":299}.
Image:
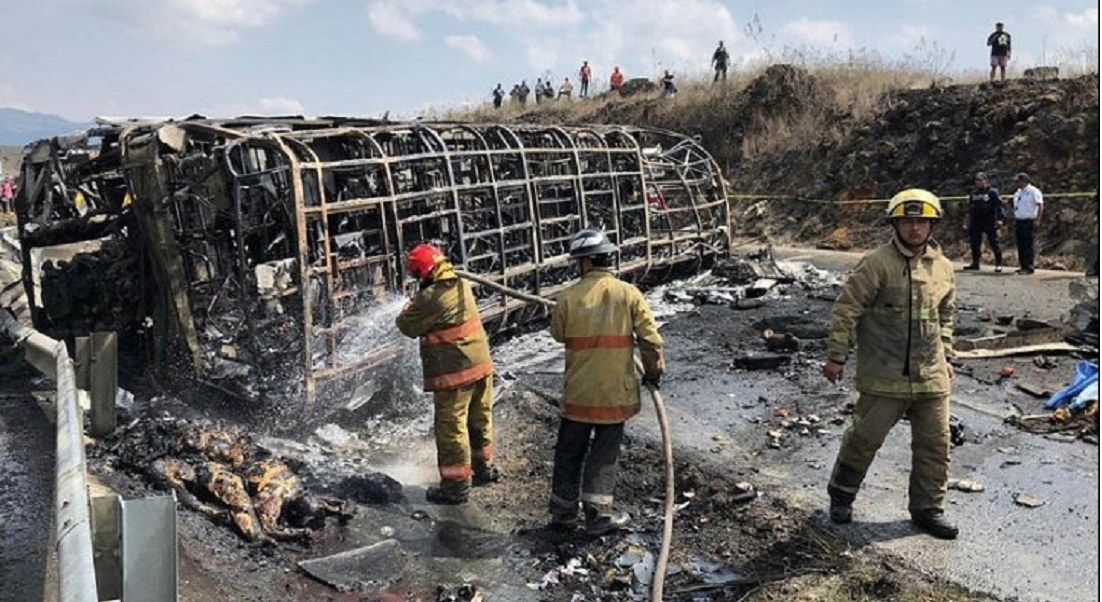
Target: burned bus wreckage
{"x":238,"y":253}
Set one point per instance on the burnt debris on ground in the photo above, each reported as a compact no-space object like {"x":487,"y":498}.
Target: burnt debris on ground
{"x":734,"y":536}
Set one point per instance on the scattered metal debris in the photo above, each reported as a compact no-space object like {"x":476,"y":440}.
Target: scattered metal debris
{"x":777,"y":342}
{"x":1028,"y":500}
{"x":362,"y":569}
{"x":966,"y":485}
{"x":465,"y":592}
{"x":956,"y":431}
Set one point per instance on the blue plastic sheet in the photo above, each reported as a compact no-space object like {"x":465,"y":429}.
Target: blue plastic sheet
{"x":1086,"y":374}
{"x":1084,"y":398}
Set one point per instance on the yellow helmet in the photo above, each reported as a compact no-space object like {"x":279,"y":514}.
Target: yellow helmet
{"x":914,"y":202}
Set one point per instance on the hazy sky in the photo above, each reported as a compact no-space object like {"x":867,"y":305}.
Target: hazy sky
{"x":83,"y":58}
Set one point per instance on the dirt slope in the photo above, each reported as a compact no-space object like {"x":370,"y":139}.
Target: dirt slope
{"x":791,"y":132}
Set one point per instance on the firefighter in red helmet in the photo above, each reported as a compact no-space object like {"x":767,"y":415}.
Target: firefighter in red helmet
{"x":455,"y":359}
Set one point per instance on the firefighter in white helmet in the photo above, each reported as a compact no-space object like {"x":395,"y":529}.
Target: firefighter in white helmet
{"x":897,"y":309}
{"x":600,"y":319}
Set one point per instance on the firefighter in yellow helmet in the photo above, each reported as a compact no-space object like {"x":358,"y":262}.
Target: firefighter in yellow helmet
{"x":455,"y":358}
{"x":600,"y":319}
{"x":897,"y":308}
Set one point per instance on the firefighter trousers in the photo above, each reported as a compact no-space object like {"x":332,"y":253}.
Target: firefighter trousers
{"x":463,"y":425}
{"x":873,"y":417}
{"x":585,"y":459}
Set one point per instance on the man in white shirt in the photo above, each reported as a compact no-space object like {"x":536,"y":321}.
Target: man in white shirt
{"x":1029,"y":205}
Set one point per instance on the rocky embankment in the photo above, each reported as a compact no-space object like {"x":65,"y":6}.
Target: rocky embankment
{"x":790,"y":132}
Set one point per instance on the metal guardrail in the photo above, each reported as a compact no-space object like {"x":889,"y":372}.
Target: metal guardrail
{"x":109,"y":549}
{"x":76,"y":567}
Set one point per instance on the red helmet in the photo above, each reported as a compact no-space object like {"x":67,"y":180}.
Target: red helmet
{"x":422,"y":259}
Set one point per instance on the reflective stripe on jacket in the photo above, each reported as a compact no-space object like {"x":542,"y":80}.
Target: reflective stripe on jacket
{"x":898,"y":310}
{"x":600,"y":319}
{"x":454,"y":347}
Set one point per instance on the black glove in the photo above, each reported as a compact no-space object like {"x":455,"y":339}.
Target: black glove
{"x":653,"y":381}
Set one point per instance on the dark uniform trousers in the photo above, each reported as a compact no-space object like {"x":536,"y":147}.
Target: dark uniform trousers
{"x":976,"y":232}
{"x":1023,"y":232}
{"x":585,"y":458}
{"x":873,"y":417}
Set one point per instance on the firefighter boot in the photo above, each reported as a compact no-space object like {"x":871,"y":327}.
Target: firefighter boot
{"x":841,"y":506}
{"x":600,"y":519}
{"x":564,"y":513}
{"x":449,"y":492}
{"x":935,"y":524}
{"x":485,"y":473}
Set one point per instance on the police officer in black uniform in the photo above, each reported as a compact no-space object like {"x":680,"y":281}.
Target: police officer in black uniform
{"x":985,"y":217}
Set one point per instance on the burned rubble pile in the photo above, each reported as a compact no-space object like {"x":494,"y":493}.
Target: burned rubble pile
{"x":754,"y":281}
{"x":219,"y":471}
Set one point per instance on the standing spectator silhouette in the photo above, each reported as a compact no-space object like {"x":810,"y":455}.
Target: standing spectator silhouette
{"x":999,"y":41}
{"x":584,"y":74}
{"x":499,"y":95}
{"x":7,"y":195}
{"x":668,"y":87}
{"x":720,"y":59}
{"x":522,"y":93}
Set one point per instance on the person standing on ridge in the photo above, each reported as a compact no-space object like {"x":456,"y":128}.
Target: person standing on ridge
{"x":897,"y":308}
{"x":720,"y":59}
{"x":616,"y":79}
{"x":600,"y":319}
{"x":669,"y":89}
{"x":455,"y":360}
{"x":538,"y":90}
{"x":7,"y":195}
{"x":522,"y":93}
{"x":985,"y":217}
{"x":584,"y":74}
{"x":499,"y":95}
{"x":999,"y":41}
{"x":1029,"y":205}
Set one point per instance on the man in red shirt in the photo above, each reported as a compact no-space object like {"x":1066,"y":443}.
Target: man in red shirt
{"x":585,"y":73}
{"x":616,"y":80}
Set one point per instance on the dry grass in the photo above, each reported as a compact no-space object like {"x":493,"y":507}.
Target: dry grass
{"x":855,"y":86}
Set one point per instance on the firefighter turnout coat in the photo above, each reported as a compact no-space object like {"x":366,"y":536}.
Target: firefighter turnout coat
{"x":898,"y":309}
{"x":454,"y":348}
{"x":600,"y":319}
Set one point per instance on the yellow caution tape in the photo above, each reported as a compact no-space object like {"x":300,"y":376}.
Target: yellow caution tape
{"x":787,"y":197}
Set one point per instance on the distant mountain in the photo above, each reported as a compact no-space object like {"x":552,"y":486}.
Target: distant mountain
{"x":20,"y":127}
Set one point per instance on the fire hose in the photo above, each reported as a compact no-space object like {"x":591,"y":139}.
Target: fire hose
{"x":659,"y":579}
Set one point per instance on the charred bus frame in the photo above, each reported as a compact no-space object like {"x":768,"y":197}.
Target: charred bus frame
{"x":242,"y":244}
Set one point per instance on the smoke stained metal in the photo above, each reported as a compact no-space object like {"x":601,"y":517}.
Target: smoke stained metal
{"x":238,"y":252}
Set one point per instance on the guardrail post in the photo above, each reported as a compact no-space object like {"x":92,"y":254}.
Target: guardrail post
{"x":82,"y":359}
{"x":107,"y":546}
{"x":103,"y":381}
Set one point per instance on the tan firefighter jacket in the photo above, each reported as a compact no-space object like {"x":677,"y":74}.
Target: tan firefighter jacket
{"x":596,"y":318}
{"x":454,"y":348}
{"x":898,"y":310}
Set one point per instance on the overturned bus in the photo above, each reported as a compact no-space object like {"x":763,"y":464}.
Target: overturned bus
{"x":237,"y":253}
